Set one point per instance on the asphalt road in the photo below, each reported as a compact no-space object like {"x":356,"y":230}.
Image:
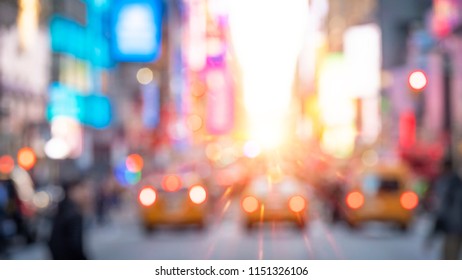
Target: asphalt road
{"x":225,"y":238}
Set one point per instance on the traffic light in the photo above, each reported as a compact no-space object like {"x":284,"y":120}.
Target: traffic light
{"x":417,"y":81}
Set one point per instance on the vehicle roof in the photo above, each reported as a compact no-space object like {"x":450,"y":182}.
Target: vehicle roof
{"x":387,"y":170}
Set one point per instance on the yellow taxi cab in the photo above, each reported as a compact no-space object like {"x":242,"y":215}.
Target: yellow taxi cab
{"x":382,"y":193}
{"x":270,"y":199}
{"x":178,"y":198}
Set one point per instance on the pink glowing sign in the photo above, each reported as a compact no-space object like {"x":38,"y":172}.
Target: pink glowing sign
{"x":220,"y":102}
{"x":195,"y":34}
{"x":446,"y":17}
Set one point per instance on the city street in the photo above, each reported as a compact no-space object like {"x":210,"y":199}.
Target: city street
{"x":343,"y":123}
{"x":125,"y":239}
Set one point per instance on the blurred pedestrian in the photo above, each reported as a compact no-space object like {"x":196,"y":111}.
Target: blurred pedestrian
{"x":448,"y":216}
{"x":67,"y":237}
{"x":102,"y":202}
{"x":4,"y":200}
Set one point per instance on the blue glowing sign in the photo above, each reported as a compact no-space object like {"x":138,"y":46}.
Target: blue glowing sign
{"x":136,"y":30}
{"x":68,"y":37}
{"x":64,"y":101}
{"x":98,"y":113}
{"x":93,"y":110}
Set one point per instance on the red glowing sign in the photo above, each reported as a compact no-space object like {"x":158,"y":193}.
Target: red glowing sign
{"x":407,"y":129}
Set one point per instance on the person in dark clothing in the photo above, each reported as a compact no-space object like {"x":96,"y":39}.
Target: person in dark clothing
{"x":67,"y":237}
{"x":448,"y":218}
{"x":4,"y":201}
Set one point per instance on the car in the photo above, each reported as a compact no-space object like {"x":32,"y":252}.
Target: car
{"x":174,"y":198}
{"x":381,"y":193}
{"x":275,"y":199}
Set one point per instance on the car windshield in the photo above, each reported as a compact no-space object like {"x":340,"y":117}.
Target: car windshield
{"x":373,"y":184}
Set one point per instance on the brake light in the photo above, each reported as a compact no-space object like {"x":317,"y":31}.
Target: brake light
{"x":297,"y":204}
{"x":250,"y":204}
{"x":409,"y":200}
{"x":197,"y":194}
{"x":147,"y":196}
{"x":171,"y":183}
{"x":355,"y":200}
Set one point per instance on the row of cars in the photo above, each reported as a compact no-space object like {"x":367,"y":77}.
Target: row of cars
{"x":272,"y":192}
{"x":183,"y":196}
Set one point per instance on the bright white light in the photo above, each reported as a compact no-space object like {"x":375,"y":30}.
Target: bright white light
{"x":69,"y":131}
{"x":267,"y":36}
{"x":370,"y":121}
{"x":362,"y":57}
{"x":135,"y":29}
{"x":218,"y":7}
{"x":251,"y":149}
{"x":339,"y":141}
{"x":147,"y":196}
{"x":268,"y":132}
{"x":197,"y":194}
{"x":417,"y":80}
{"x":337,"y":108}
{"x":195,"y":34}
{"x":57,"y":148}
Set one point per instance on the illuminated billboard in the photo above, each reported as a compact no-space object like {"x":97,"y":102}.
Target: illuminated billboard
{"x":94,"y":110}
{"x":136,"y":30}
{"x":220,"y":102}
{"x":446,"y":17}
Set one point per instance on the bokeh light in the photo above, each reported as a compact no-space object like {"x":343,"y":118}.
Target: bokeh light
{"x":147,"y":196}
{"x":171,"y":183}
{"x":355,"y":200}
{"x":409,"y":200}
{"x":41,"y":199}
{"x":26,"y":158}
{"x":132,"y":178}
{"x":197,"y":194}
{"x":417,"y":80}
{"x":57,"y":148}
{"x":194,"y":122}
{"x":6,"y":164}
{"x":134,"y":163}
{"x":297,"y":204}
{"x":250,"y":204}
{"x":125,"y":177}
{"x":144,"y":76}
